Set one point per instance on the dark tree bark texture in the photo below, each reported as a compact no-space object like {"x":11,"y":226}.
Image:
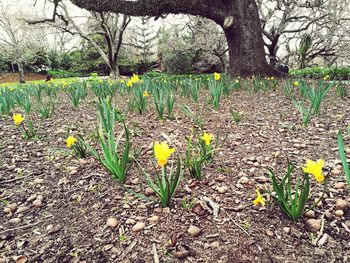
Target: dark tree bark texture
{"x":22,"y":78}
{"x":239,"y":19}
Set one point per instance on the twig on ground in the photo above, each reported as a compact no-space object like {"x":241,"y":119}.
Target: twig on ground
{"x":155,"y":254}
{"x":320,"y":234}
{"x":15,"y":179}
{"x":26,"y":226}
{"x":345,"y":227}
{"x":237,"y":225}
{"x":215,"y":207}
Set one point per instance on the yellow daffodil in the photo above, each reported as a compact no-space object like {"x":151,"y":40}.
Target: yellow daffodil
{"x":315,"y":168}
{"x":162,"y":152}
{"x":135,"y":78}
{"x":217,"y":76}
{"x":146,"y":94}
{"x":70,"y":141}
{"x":17,"y":118}
{"x":259,"y":200}
{"x":207,"y":138}
{"x":295,"y":83}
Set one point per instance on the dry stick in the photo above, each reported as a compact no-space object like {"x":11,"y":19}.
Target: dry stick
{"x":155,"y":254}
{"x":13,"y":180}
{"x":29,"y":225}
{"x":345,"y":227}
{"x":320,"y":234}
{"x":237,"y":225}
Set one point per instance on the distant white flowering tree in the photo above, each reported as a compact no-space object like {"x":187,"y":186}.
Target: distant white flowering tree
{"x":18,"y":41}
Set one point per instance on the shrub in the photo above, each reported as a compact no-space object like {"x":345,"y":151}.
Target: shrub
{"x":59,"y":74}
{"x":339,"y":73}
{"x":178,"y":61}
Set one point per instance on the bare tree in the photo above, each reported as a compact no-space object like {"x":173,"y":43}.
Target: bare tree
{"x":208,"y":41}
{"x":284,"y":22}
{"x":18,"y":42}
{"x":62,"y":39}
{"x":111,"y":26}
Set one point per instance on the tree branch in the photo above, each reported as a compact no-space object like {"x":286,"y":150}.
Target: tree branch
{"x":157,"y":8}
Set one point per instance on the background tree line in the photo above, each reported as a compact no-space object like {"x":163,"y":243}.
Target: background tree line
{"x":109,"y":42}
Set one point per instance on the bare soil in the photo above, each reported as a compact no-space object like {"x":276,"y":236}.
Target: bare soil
{"x":13,"y":77}
{"x":78,"y":196}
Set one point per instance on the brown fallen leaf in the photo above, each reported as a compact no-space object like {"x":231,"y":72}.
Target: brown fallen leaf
{"x":198,"y":209}
{"x":173,"y":240}
{"x":181,"y":252}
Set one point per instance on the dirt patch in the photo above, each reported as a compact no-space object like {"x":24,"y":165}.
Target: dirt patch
{"x":13,"y":77}
{"x":78,"y":196}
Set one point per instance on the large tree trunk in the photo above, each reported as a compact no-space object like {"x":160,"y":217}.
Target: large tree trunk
{"x":245,"y":42}
{"x":239,"y":18}
{"x":21,"y":73}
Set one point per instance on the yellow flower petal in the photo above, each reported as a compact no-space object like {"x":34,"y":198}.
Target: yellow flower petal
{"x":162,"y":152}
{"x":259,"y":200}
{"x":207,"y":138}
{"x":217,"y":76}
{"x":315,"y":168}
{"x":17,"y":118}
{"x":70,"y":141}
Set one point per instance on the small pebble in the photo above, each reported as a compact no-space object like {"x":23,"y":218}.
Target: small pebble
{"x":138,"y":227}
{"x":342,"y":205}
{"x":15,"y":221}
{"x":31,"y":198}
{"x":339,"y":213}
{"x":328,"y":215}
{"x":37,"y":203}
{"x":153,"y":219}
{"x":194,"y":230}
{"x":310,"y":214}
{"x":222,"y":189}
{"x":339,"y":185}
{"x":38,"y":181}
{"x":22,"y":209}
{"x":215,"y":244}
{"x":313,"y":225}
{"x":287,"y":230}
{"x":13,"y":207}
{"x":112,"y":222}
{"x":269,"y":233}
{"x":149,"y":191}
